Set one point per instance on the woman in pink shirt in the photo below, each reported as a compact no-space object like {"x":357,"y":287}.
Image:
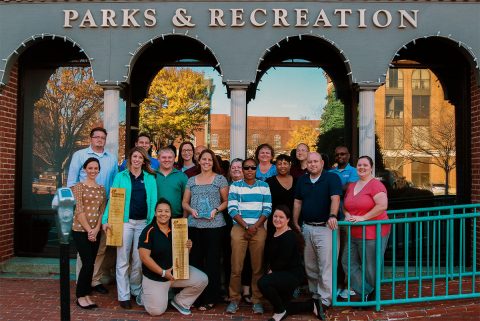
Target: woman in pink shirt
{"x":365,"y":200}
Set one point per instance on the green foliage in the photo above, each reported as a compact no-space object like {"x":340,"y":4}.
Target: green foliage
{"x":177,"y":104}
{"x":333,"y":114}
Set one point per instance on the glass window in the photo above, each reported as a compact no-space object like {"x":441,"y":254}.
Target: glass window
{"x":214,"y":140}
{"x":420,"y":106}
{"x":421,"y":137}
{"x":394,"y":78}
{"x":394,"y":107}
{"x":70,"y":105}
{"x":421,"y":79}
{"x":255,"y":140}
{"x":394,"y":137}
{"x":277,"y":141}
{"x":421,"y":173}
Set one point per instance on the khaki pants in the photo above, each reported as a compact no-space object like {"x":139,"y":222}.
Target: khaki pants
{"x":155,"y":293}
{"x":256,"y":246}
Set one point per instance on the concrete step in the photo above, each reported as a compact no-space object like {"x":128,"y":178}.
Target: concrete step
{"x":34,"y":268}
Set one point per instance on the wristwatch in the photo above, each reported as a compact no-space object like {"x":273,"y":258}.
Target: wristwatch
{"x":246,"y":227}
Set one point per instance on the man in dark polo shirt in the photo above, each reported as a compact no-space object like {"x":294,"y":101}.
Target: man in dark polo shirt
{"x":317,"y":199}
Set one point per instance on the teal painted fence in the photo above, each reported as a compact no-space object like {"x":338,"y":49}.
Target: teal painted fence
{"x":431,"y":255}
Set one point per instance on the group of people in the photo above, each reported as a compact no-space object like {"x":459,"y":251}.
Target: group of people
{"x":277,"y":217}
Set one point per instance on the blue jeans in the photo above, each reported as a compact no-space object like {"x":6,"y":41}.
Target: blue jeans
{"x":355,"y":251}
{"x":132,"y":283}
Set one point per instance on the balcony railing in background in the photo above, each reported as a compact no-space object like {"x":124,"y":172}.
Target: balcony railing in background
{"x":431,"y":255}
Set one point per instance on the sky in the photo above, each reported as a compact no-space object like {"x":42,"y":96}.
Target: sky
{"x":298,"y":93}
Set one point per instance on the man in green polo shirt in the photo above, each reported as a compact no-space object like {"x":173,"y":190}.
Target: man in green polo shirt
{"x":170,"y":181}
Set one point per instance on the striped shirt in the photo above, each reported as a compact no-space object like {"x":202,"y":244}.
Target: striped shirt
{"x":250,"y":201}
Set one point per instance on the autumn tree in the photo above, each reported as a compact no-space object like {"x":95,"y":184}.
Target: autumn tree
{"x":64,"y":115}
{"x":435,"y":144}
{"x":303,"y":133}
{"x":177,"y":104}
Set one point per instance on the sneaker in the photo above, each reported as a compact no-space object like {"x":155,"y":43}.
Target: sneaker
{"x":257,"y":308}
{"x":180,"y":309}
{"x":139,"y":299}
{"x":232,"y":307}
{"x":344,"y":293}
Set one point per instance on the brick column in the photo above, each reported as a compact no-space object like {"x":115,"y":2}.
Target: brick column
{"x":8,"y":126}
{"x":475,"y":114}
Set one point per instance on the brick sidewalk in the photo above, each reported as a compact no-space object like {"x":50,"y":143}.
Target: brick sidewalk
{"x":31,"y":299}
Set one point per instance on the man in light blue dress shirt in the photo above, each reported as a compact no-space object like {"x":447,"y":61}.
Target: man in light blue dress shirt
{"x":108,"y":170}
{"x":348,"y":174}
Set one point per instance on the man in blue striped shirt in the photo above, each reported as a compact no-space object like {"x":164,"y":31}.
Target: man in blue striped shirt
{"x":249,"y":204}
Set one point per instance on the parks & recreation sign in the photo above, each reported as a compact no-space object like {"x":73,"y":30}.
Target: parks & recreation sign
{"x":240,"y":17}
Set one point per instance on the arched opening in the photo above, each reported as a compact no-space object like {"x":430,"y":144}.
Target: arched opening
{"x":423,"y":124}
{"x":167,"y":63}
{"x":302,"y":81}
{"x":59,"y":104}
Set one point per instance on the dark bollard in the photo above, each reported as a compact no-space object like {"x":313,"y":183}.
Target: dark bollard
{"x":64,"y":282}
{"x":63,"y":202}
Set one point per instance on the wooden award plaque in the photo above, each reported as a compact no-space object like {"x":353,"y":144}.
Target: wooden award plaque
{"x":115,"y":216}
{"x":179,"y":249}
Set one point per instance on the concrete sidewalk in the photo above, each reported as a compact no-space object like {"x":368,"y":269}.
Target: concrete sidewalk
{"x":34,"y":299}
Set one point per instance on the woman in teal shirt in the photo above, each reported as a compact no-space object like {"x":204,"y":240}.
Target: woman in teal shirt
{"x":140,"y":186}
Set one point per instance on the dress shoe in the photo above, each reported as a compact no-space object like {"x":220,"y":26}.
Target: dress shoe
{"x":125,"y":304}
{"x":100,"y":289}
{"x":86,"y":307}
{"x":320,"y":309}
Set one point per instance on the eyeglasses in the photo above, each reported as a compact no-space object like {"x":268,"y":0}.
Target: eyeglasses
{"x":250,"y":167}
{"x":99,"y":137}
{"x":341,"y":154}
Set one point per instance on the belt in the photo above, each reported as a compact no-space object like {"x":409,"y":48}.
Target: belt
{"x":316,"y":223}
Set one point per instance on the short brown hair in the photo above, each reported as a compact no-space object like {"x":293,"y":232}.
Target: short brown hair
{"x":98,"y":129}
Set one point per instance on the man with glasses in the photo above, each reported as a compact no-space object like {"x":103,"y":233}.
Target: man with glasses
{"x":249,"y":204}
{"x":108,"y":170}
{"x":143,"y":140}
{"x":348,"y":174}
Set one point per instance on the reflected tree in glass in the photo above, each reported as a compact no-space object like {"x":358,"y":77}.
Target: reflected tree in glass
{"x":63,"y":118}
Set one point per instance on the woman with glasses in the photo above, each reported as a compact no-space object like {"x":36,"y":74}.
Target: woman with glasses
{"x":264,"y":155}
{"x":204,"y":200}
{"x":186,"y":162}
{"x":299,"y":166}
{"x":249,"y":204}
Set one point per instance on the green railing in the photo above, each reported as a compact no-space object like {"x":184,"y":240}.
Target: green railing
{"x":431,"y":255}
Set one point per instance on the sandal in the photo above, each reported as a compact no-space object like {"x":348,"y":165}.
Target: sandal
{"x":206,"y":307}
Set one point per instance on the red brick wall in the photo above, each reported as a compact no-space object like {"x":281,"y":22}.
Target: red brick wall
{"x":475,"y":90}
{"x":475,"y":110}
{"x":8,"y":120}
{"x":475,"y":99}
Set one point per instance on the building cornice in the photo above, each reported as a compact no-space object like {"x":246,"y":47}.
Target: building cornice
{"x":235,"y":1}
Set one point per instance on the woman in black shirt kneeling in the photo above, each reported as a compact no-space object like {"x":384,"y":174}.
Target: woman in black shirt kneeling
{"x":155,"y":249}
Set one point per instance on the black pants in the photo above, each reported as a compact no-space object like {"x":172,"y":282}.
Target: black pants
{"x":88,"y":252}
{"x":205,"y":256}
{"x":278,"y":287}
